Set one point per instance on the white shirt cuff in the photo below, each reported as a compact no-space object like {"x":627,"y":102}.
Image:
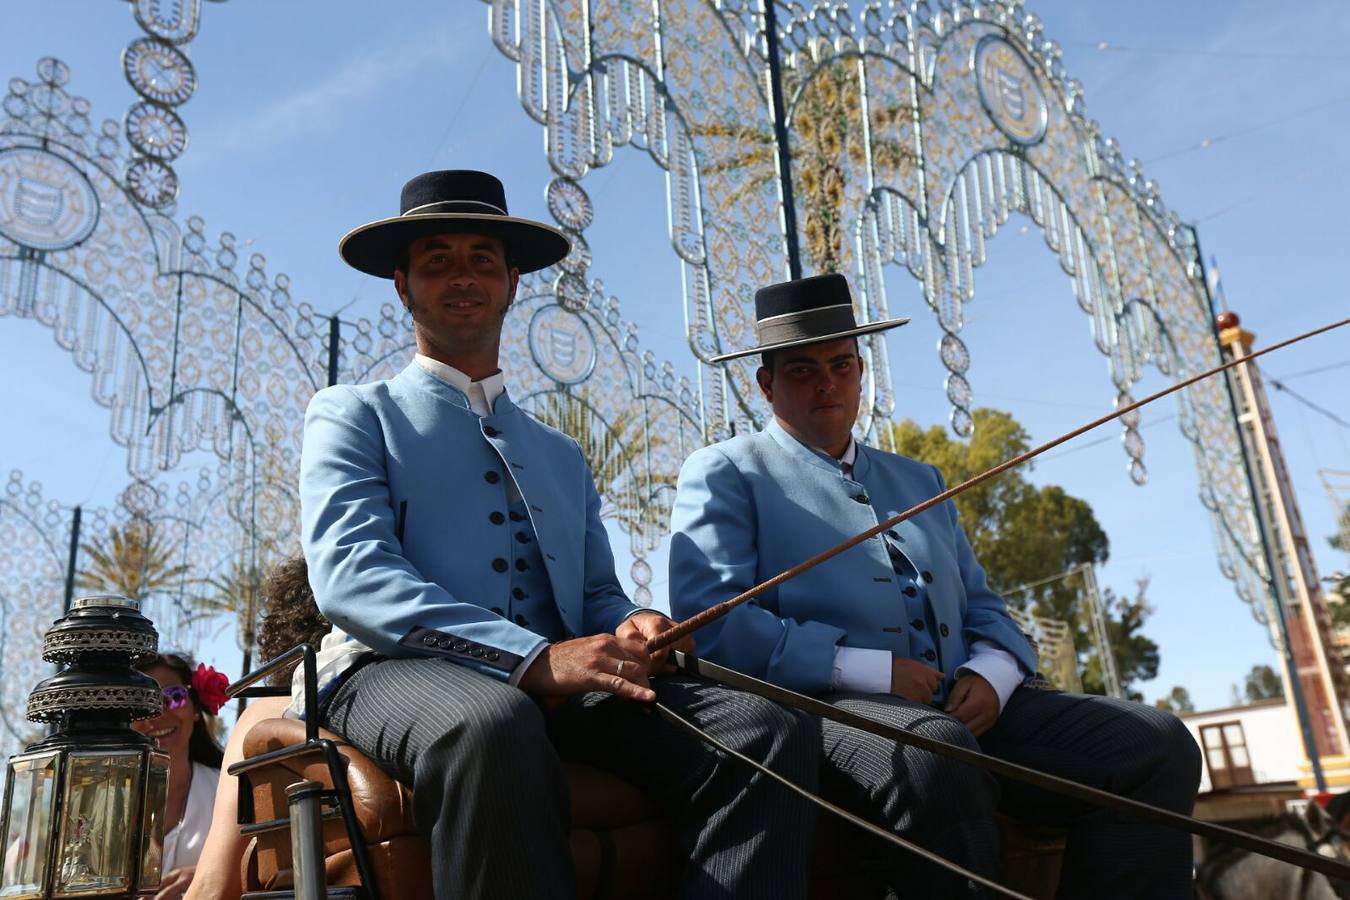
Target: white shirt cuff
{"x":867,"y":671}
{"x":996,"y":666}
{"x":525,"y":663}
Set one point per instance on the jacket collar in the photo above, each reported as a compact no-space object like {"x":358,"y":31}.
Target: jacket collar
{"x":415,"y":375}
{"x":808,"y":455}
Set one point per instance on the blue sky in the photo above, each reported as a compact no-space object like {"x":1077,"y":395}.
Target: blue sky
{"x":309,"y":117}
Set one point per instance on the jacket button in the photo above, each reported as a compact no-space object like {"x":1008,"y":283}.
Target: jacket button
{"x":522,"y":621}
{"x":927,"y":576}
{"x":518,"y":593}
{"x":522,"y":537}
{"x":861,"y":498}
{"x":944,"y":630}
{"x":499,"y":564}
{"x":493,"y":656}
{"x":521,"y":565}
{"x":496,"y":518}
{"x":429,"y":640}
{"x":911,"y":591}
{"x":445,"y":643}
{"x":517,"y":517}
{"x":491,"y":477}
{"x":460,"y":646}
{"x":917,"y":624}
{"x":490,"y":431}
{"x":929,"y":655}
{"x":477,"y":652}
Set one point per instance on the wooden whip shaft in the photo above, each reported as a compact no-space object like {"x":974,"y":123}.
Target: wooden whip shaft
{"x":713,"y":613}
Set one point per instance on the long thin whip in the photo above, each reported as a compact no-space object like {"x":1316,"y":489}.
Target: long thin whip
{"x":713,"y":613}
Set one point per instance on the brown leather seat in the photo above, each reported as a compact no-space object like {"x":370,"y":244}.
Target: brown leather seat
{"x":622,"y":845}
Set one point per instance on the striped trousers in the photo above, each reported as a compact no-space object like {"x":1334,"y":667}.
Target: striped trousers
{"x":483,"y":760}
{"x":947,"y":806}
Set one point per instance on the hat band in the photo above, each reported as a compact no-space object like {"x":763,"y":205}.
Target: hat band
{"x":454,"y":206}
{"x":811,"y":323}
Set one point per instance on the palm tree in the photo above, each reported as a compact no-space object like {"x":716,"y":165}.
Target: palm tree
{"x":828,"y":144}
{"x":615,"y":456}
{"x":134,"y":560}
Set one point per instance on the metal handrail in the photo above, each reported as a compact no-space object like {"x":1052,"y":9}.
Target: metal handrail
{"x":313,"y":743}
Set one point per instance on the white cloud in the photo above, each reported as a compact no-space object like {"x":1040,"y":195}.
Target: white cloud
{"x":318,"y":109}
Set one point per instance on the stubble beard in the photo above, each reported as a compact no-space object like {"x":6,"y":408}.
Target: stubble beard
{"x":456,"y":343}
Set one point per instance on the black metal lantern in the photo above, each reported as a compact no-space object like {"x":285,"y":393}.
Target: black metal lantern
{"x":84,"y":807}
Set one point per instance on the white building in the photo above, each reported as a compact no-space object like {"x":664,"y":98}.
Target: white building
{"x":1257,"y":743}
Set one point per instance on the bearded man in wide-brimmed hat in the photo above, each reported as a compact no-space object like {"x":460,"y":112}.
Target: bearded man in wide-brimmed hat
{"x":903,"y":629}
{"x":481,"y":634}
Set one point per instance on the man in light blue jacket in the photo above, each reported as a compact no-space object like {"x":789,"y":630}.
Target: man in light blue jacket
{"x":904,"y":628}
{"x":480,"y":631}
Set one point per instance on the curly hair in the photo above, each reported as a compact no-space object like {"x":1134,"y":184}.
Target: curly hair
{"x":290,"y":614}
{"x":202,"y":746}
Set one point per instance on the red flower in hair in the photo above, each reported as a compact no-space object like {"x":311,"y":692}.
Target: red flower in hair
{"x":209,"y":686}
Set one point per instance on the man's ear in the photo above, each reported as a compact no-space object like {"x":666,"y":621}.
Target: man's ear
{"x":515,"y":283}
{"x":401,"y":286}
{"x":765,"y":379}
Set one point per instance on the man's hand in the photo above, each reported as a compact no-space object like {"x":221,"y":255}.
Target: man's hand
{"x":601,"y":662}
{"x":645,"y":626}
{"x":974,"y":703}
{"x":914,"y":681}
{"x":174,"y":884}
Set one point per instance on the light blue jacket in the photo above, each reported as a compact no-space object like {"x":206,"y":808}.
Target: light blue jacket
{"x":370,"y":448}
{"x":754,"y":506}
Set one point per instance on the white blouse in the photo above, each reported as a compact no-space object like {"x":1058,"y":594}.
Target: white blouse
{"x":183,"y":843}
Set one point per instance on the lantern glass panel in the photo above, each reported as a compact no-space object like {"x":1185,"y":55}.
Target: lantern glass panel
{"x":31,"y":803}
{"x":103,"y":795}
{"x":152,"y":841}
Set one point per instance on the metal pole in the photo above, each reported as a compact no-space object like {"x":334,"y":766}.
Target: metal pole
{"x":1267,"y":551}
{"x":74,"y":554}
{"x":780,"y":136}
{"x":1102,"y":628}
{"x":333,"y":334}
{"x":304,"y":801}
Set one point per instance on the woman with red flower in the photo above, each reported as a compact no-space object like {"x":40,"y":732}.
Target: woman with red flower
{"x":183,"y":731}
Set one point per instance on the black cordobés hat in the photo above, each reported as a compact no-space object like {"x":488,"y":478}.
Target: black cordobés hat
{"x":806,"y":311}
{"x":456,"y":201}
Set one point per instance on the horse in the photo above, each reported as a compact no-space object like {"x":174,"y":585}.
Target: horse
{"x":1229,"y":873}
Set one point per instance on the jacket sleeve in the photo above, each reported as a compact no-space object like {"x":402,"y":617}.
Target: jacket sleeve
{"x":361,"y":580}
{"x":713,"y":557}
{"x":986,"y":612}
{"x":605,"y":605}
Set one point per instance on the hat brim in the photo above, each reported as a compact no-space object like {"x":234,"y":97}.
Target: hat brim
{"x":374,"y":248}
{"x":869,"y":328}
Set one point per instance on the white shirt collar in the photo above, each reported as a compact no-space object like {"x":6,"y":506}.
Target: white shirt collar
{"x":482,"y":394}
{"x":849,"y":454}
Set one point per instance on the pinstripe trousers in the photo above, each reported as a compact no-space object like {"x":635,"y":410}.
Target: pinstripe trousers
{"x":483,"y":760}
{"x":947,"y":806}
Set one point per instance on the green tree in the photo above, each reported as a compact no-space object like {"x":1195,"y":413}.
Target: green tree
{"x":1024,"y":534}
{"x":135,"y":560}
{"x":1177,"y":701}
{"x":1263,"y":683}
{"x":1341,"y":539}
{"x":1136,"y":654}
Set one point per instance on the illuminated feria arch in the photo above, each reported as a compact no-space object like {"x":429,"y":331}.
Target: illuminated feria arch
{"x":912,"y":132}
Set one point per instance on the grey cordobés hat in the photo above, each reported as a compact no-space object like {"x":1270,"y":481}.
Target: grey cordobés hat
{"x":805,"y":311}
{"x":455,"y":201}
